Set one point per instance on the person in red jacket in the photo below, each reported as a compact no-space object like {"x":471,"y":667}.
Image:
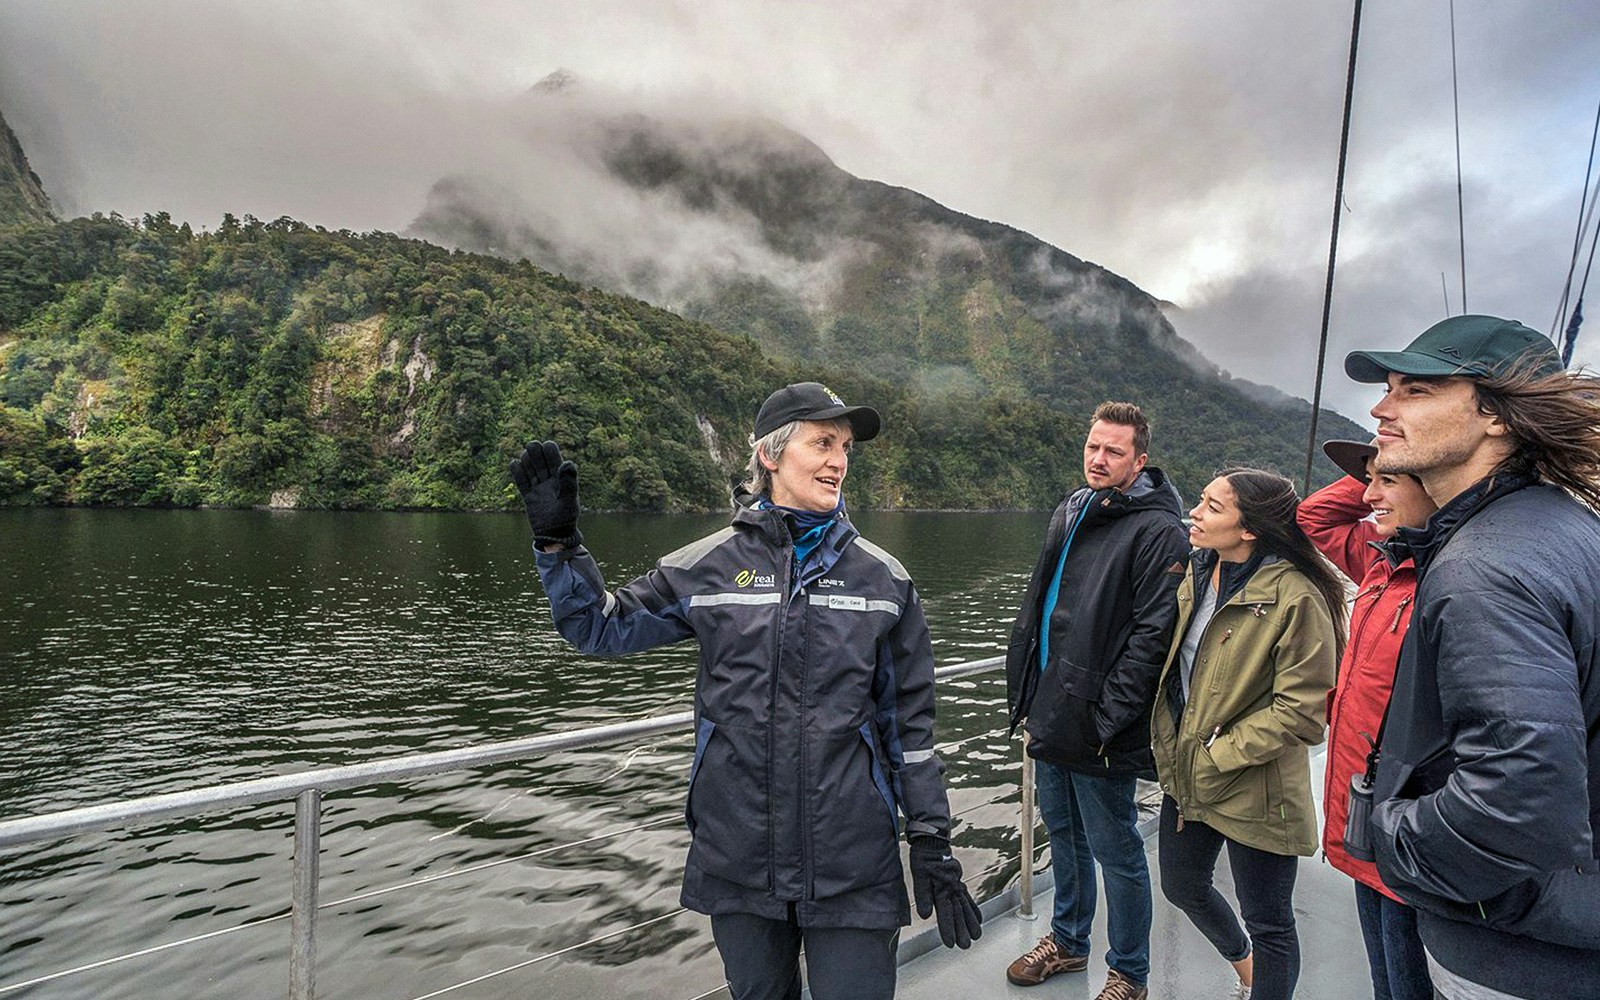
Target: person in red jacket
{"x":1346,"y":521}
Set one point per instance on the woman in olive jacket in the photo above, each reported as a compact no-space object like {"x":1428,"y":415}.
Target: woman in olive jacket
{"x":1242,"y":695}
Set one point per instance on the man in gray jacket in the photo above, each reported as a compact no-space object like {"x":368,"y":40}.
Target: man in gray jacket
{"x":813,"y":708}
{"x":1487,"y":796}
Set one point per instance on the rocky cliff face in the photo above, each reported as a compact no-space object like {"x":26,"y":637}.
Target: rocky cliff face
{"x":22,"y":197}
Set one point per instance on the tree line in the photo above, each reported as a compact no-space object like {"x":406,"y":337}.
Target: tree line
{"x":144,"y":363}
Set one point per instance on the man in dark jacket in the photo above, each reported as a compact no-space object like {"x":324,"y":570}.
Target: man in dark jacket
{"x":1085,"y":654}
{"x":813,"y":708}
{"x":1487,"y":795}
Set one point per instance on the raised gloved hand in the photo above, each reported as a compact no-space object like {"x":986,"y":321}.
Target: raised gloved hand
{"x":936,"y":883}
{"x":549,"y":489}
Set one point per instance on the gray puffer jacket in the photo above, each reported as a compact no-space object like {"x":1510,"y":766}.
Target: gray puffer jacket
{"x":813,"y":712}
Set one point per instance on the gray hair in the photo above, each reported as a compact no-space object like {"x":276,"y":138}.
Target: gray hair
{"x":758,"y":478}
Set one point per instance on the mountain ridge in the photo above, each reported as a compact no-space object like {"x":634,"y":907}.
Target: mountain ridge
{"x":281,"y":364}
{"x":22,"y":195}
{"x":819,"y":266}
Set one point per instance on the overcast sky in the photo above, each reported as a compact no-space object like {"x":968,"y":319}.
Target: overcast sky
{"x":1190,"y":146}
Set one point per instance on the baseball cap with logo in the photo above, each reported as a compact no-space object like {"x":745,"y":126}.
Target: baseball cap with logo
{"x":1468,"y":346}
{"x":814,"y":401}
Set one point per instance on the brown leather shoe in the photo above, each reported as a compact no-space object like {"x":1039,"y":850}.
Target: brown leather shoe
{"x":1045,"y":960}
{"x":1120,"y":987}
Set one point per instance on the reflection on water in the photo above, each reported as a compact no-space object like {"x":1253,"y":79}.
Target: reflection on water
{"x":147,"y":651}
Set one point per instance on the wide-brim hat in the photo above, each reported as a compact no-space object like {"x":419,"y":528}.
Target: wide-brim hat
{"x":814,"y":401}
{"x":1351,"y":456}
{"x":1468,"y":346}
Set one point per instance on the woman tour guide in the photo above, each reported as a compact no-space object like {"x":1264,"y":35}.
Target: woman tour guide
{"x":1258,"y":635}
{"x":813,"y":707}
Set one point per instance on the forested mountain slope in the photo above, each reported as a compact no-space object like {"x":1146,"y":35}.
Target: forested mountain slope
{"x":144,"y":363}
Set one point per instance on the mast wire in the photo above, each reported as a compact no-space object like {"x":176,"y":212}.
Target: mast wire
{"x":1333,"y":244}
{"x":1586,"y":199}
{"x":1577,"y":310}
{"x":1455,"y":98}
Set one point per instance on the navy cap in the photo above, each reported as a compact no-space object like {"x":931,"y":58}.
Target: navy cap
{"x":1468,"y":346}
{"x":814,"y":401}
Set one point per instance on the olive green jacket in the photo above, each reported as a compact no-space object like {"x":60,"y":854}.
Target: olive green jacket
{"x":1259,"y":697}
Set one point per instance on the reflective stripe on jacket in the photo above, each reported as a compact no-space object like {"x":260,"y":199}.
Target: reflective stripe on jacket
{"x":813,"y":713}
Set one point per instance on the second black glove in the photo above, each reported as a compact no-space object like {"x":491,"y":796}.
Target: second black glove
{"x":936,"y":882}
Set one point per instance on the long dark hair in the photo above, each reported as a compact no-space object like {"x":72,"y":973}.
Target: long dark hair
{"x":1267,"y":504}
{"x":1554,"y":420}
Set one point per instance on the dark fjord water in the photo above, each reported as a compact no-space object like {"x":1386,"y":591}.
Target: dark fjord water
{"x":147,"y":651}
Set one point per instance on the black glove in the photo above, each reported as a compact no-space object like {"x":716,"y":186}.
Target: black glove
{"x":549,"y":489}
{"x":936,"y":882}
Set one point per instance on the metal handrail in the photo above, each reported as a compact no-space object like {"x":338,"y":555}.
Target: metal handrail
{"x":308,"y":787}
{"x":344,"y":901}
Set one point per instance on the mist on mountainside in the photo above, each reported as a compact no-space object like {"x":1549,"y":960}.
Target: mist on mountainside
{"x":737,"y":221}
{"x":280,"y":363}
{"x":735,"y":218}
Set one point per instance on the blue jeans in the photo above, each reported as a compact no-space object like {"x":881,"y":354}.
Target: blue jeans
{"x":1394,"y":949}
{"x":1094,"y":819}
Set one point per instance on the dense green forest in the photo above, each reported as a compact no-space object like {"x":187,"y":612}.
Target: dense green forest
{"x":143,"y":363}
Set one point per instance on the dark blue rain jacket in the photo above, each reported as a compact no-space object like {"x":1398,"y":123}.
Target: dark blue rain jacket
{"x":1488,"y":793}
{"x":813,"y":713}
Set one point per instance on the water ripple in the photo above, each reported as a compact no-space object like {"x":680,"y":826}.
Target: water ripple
{"x":147,"y":651}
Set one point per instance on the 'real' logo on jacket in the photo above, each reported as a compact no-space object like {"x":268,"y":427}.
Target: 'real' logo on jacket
{"x":750,"y":578}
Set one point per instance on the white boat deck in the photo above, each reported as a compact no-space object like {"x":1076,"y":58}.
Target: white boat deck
{"x":1183,"y":965}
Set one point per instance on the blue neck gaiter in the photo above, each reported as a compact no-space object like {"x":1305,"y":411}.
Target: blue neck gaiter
{"x":806,"y":526}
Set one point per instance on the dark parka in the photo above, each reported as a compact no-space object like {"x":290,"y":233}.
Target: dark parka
{"x":813,"y":713}
{"x":1089,"y":710}
{"x":1488,"y":791}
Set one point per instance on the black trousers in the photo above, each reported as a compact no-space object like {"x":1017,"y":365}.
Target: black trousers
{"x":762,"y":959}
{"x":1264,"y":883}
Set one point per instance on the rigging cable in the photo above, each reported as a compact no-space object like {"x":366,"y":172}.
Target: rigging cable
{"x":1333,"y":243}
{"x":1586,"y":200}
{"x":1455,"y":100}
{"x":1577,"y":310}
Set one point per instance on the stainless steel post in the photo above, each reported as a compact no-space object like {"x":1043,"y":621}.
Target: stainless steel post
{"x":303,"y":921}
{"x":1025,"y":886}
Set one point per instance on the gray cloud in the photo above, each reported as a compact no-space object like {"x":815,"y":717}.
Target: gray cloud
{"x":1187,"y":146}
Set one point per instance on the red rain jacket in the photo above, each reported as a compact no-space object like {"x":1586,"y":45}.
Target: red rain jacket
{"x":1334,"y":519}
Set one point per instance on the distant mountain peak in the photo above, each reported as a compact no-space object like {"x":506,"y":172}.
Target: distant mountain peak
{"x":737,"y":221}
{"x":559,"y":81}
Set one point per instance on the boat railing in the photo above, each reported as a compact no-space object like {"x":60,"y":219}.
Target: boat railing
{"x":307,"y":788}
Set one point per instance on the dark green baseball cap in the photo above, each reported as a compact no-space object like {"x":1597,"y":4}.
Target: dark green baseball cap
{"x":1469,"y":346}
